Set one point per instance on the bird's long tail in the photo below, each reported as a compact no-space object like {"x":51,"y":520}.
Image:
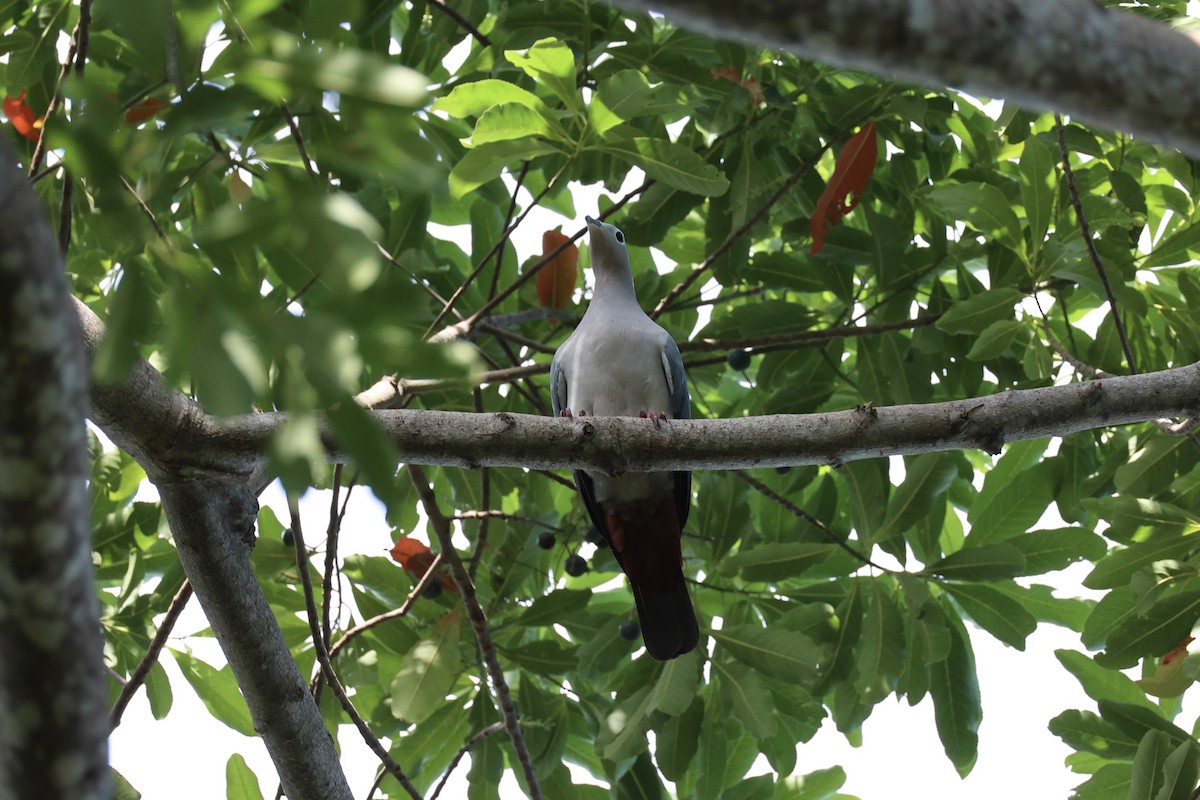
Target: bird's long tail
{"x":646,"y":541}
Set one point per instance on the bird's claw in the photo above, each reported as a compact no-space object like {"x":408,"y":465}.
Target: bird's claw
{"x":658,"y":417}
{"x":566,"y":413}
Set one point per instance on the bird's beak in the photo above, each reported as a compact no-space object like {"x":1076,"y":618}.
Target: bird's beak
{"x":592,"y":223}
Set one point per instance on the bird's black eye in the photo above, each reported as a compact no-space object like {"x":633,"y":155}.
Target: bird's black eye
{"x":620,"y":238}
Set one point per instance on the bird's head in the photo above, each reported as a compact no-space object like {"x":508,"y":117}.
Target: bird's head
{"x":608,"y":247}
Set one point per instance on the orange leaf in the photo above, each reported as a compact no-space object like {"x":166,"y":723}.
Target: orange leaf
{"x":1179,"y":650}
{"x":23,"y":120}
{"x":415,"y":558}
{"x":556,"y":281}
{"x":751,"y":84}
{"x":851,"y":173}
{"x":145,"y":110}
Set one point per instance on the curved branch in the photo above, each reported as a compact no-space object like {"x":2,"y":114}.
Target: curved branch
{"x":1111,"y":68}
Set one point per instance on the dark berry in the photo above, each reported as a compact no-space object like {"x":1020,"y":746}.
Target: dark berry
{"x":629,"y":630}
{"x":433,"y":590}
{"x":739,"y":359}
{"x":594,"y":536}
{"x":546,"y":541}
{"x":576,"y":566}
{"x":289,"y":538}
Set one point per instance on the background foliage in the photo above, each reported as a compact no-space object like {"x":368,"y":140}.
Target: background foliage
{"x":265,"y":239}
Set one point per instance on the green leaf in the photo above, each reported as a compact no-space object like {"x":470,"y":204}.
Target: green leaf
{"x":484,"y":163}
{"x":748,"y":697}
{"x":956,"y":706}
{"x":881,"y":644}
{"x":1137,"y":720}
{"x":820,"y":785}
{"x":421,"y":685}
{"x":673,"y":164}
{"x":543,"y":657}
{"x":511,"y":121}
{"x":926,"y":478}
{"x":677,"y":684}
{"x":472,"y":99}
{"x":552,"y":64}
{"x":1036,"y":170}
{"x":678,"y":742}
{"x":983,"y":207}
{"x":556,"y":607}
{"x":218,"y":690}
{"x":979,"y":311}
{"x":1147,"y":765}
{"x":996,"y":339}
{"x":775,"y":562}
{"x":1005,"y":509}
{"x":1118,"y":567}
{"x":776,"y":652}
{"x":1111,"y":782}
{"x":1179,"y":773}
{"x":1085,"y":731}
{"x":1052,"y":550}
{"x":1099,"y":682}
{"x":619,"y":98}
{"x":1156,"y":633}
{"x":641,"y":782}
{"x":990,"y":562}
{"x":995,"y":612}
{"x":240,"y":781}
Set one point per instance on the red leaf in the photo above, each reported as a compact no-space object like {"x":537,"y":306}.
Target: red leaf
{"x":145,"y":110}
{"x":556,"y":281}
{"x":23,"y":120}
{"x":851,"y":173}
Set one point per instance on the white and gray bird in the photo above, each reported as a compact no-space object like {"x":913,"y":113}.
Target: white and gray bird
{"x":620,"y":363}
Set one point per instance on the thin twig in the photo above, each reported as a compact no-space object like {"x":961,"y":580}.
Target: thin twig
{"x":322,"y":652}
{"x":496,"y":514}
{"x":298,"y":138}
{"x":494,"y":299}
{"x":475,"y":739}
{"x":395,"y":613}
{"x":771,"y":494}
{"x":331,"y":537}
{"x":1086,"y":230}
{"x":508,"y":218}
{"x":808,"y":337}
{"x":479,"y":623}
{"x":749,"y":223}
{"x":463,"y":22}
{"x":144,"y":208}
{"x":142,"y":671}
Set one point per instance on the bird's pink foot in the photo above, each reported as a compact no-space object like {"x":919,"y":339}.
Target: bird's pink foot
{"x":583,"y":413}
{"x":566,"y":412}
{"x":659,"y":417}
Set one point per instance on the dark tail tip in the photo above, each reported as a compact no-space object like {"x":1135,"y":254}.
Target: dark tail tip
{"x":668,"y":622}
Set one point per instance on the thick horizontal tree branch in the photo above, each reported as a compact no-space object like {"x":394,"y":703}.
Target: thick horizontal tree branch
{"x":172,"y":436}
{"x":1109,"y":67}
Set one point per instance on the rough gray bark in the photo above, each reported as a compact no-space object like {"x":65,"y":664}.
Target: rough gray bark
{"x":1109,"y":67}
{"x":206,"y":494}
{"x":212,"y":521}
{"x":53,"y":715}
{"x":462,"y":439}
